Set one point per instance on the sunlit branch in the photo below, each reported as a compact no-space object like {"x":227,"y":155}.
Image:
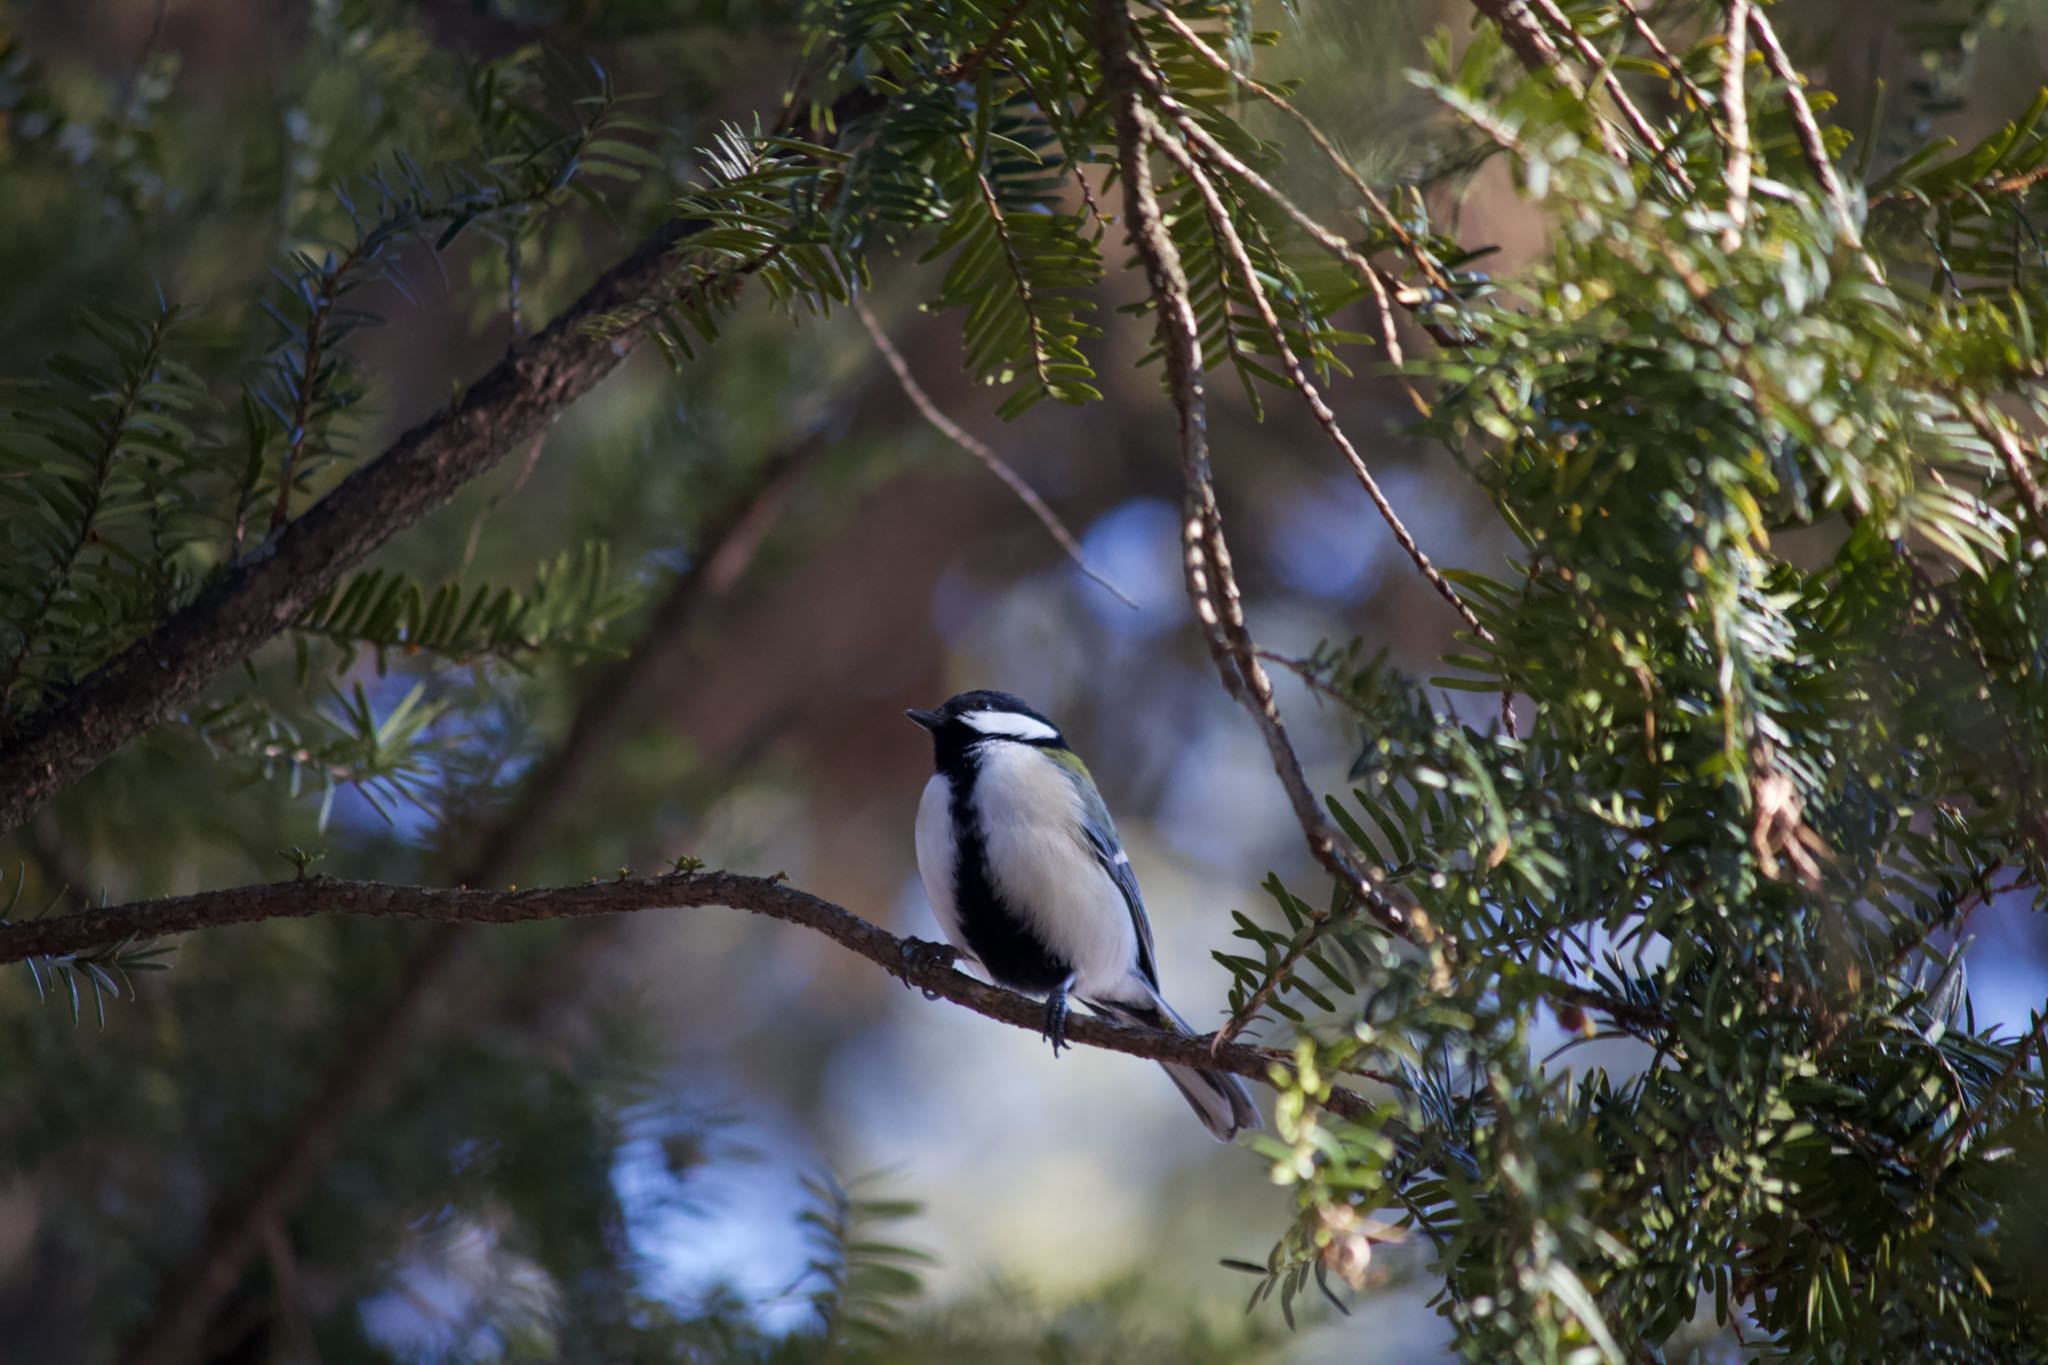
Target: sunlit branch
{"x":1604,"y":70}
{"x":1387,"y":217}
{"x":1811,"y":144}
{"x":1539,"y":56}
{"x":1226,"y":232}
{"x":1670,"y":59}
{"x":1735,"y":104}
{"x":1216,"y":153}
{"x":1212,"y":587}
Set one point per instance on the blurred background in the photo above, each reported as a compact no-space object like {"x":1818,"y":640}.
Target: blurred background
{"x":511,"y":1143}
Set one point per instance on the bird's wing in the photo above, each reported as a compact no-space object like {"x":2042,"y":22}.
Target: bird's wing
{"x":1100,"y":832}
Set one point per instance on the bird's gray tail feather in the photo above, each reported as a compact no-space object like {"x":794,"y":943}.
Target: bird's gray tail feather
{"x":1218,"y":1098}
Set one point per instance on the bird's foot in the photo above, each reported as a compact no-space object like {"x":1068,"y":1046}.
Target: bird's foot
{"x":1056,"y":1016}
{"x":921,"y":956}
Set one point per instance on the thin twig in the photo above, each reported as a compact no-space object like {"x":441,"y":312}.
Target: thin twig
{"x":1604,"y":69}
{"x":1975,"y":1118}
{"x":296,"y":439}
{"x":1540,"y":56}
{"x":1226,"y":232}
{"x":770,"y":897}
{"x":1528,"y":40}
{"x":1811,"y":144}
{"x":1226,"y":160}
{"x":1211,"y":585}
{"x":1019,"y":277}
{"x":980,"y":450}
{"x":1735,"y":104}
{"x":1222,"y":158}
{"x":1670,"y":59}
{"x":1378,"y":281}
{"x":966,"y":68}
{"x":2014,"y":457}
{"x":1399,"y":231}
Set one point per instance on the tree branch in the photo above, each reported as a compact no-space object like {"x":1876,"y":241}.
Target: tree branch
{"x":1526,"y":37}
{"x":513,"y":402}
{"x":1539,"y":56}
{"x":1234,"y":250}
{"x":1603,"y":70}
{"x":981,"y":450}
{"x":1735,"y":105}
{"x":1211,"y":585}
{"x":769,"y":897}
{"x":1811,"y":144}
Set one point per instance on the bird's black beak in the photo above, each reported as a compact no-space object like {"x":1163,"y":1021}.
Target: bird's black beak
{"x":930,"y":720}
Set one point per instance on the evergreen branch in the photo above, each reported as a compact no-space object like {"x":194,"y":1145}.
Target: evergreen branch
{"x":235,"y":1225}
{"x":1540,"y":57}
{"x":307,"y":385}
{"x":1670,"y":59}
{"x":970,"y":65}
{"x":982,"y":451}
{"x":1388,"y":219}
{"x":863,"y":1279}
{"x":1019,"y":278}
{"x":1211,"y":585}
{"x":2014,"y":457}
{"x":572,"y":599}
{"x":770,"y":897}
{"x":1225,"y":228}
{"x":509,"y":405}
{"x":1527,"y":39}
{"x":1278,"y":975}
{"x":1386,"y":290}
{"x":1604,"y":70}
{"x":1227,"y":161}
{"x":2036,"y":1038}
{"x":1811,"y":144}
{"x":111,"y":434}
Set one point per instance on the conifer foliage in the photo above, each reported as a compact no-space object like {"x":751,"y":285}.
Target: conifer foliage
{"x":1765,"y":420}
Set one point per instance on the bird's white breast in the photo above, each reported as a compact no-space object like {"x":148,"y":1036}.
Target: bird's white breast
{"x":1040,"y":862}
{"x":937,"y":856}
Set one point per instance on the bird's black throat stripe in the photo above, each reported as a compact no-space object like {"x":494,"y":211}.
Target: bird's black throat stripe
{"x":996,"y":933}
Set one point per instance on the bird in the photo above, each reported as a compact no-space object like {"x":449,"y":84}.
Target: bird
{"x":1026,"y":876}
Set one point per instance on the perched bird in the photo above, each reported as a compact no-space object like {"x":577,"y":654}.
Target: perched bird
{"x":1026,"y":875}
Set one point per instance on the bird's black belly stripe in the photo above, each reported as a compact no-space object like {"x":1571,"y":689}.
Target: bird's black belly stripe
{"x":1000,"y":937}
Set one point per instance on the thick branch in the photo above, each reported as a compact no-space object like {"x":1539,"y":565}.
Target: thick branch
{"x":766,"y":896}
{"x":423,"y":468}
{"x":518,"y":398}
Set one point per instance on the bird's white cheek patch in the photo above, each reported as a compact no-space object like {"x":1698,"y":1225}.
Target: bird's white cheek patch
{"x":1009,"y":725}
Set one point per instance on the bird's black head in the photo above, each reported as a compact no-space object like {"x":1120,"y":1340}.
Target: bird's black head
{"x":974,"y":717}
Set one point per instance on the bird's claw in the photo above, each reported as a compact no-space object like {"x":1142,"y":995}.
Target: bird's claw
{"x":1055,"y":1031}
{"x":920,"y":956}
